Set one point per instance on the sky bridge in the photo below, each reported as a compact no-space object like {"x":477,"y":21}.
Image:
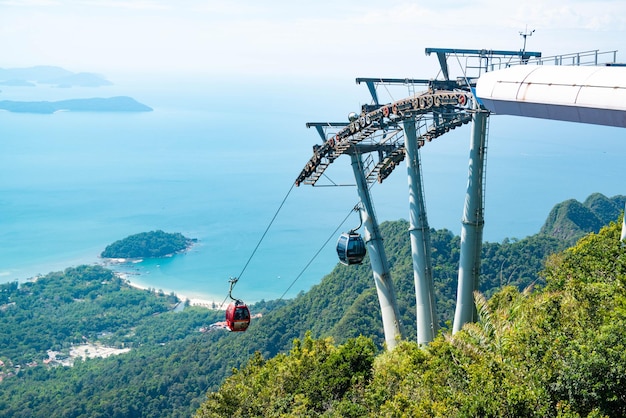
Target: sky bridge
{"x":587,"y":87}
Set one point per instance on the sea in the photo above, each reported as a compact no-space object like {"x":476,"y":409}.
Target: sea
{"x":216,"y":160}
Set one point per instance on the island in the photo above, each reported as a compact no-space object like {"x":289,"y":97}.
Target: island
{"x":112,"y":104}
{"x":153,"y":244}
{"x":50,"y":75}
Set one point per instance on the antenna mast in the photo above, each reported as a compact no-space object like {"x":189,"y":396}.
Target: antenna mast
{"x":525,"y":35}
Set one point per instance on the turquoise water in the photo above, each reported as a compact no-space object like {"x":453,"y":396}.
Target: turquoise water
{"x":214,"y":161}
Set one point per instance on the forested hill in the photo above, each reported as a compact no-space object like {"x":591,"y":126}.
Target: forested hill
{"x":171,"y":365}
{"x":557,"y":352}
{"x":570,"y":220}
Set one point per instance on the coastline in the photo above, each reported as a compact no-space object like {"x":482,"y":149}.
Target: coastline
{"x":194,"y":300}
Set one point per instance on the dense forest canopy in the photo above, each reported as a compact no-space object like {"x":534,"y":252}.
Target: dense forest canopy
{"x":151,"y":244}
{"x":64,"y":308}
{"x":162,"y":374}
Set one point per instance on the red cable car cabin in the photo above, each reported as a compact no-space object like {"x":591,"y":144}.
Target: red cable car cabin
{"x":237,"y":316}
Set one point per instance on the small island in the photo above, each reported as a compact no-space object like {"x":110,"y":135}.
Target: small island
{"x":153,"y":244}
{"x":50,"y":75}
{"x":97,"y":104}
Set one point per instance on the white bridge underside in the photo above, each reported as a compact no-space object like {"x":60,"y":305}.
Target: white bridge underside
{"x":595,"y":95}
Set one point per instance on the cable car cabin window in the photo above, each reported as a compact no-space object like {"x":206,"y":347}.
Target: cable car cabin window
{"x":350,"y":248}
{"x":237,"y":317}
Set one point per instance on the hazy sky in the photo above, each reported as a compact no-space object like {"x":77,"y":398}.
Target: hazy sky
{"x":292,"y":37}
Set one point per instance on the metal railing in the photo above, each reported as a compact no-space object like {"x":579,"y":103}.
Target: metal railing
{"x":594,"y":57}
{"x":476,"y":65}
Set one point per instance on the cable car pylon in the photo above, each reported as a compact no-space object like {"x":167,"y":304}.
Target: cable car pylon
{"x":378,"y":259}
{"x":446,"y":105}
{"x":378,"y":130}
{"x":472,"y":223}
{"x":421,"y":249}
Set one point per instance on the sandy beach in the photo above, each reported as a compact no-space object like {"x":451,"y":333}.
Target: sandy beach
{"x":193,"y":300}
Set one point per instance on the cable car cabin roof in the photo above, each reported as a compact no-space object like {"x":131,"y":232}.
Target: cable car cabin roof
{"x":237,"y":316}
{"x":350,"y":248}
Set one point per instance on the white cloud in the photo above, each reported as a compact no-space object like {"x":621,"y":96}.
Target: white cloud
{"x":291,"y":37}
{"x":120,"y":4}
{"x":28,"y":3}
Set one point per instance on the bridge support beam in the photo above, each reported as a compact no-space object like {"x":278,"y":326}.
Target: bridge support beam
{"x":472,"y":224}
{"x":419,"y":233}
{"x":380,"y":266}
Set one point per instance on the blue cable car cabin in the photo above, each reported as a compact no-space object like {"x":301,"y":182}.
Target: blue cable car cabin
{"x":350,"y":248}
{"x":237,"y":316}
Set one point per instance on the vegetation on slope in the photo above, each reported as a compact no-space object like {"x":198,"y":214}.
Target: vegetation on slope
{"x":557,"y":352}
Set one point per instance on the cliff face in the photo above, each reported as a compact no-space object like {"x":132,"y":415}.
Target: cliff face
{"x":570,"y":220}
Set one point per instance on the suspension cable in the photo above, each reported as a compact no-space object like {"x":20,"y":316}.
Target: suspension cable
{"x":266,"y":230}
{"x":233,"y":281}
{"x":318,"y":252}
